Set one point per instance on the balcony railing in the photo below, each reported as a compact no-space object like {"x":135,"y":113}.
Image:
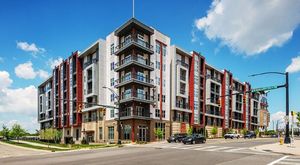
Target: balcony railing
{"x":136,"y":77}
{"x":136,"y":113}
{"x":86,"y":64}
{"x":137,"y":59}
{"x":90,"y":119}
{"x":182,"y":91}
{"x":213,"y":78}
{"x":140,"y":96}
{"x":134,"y":40}
{"x":182,"y":63}
{"x":182,"y":77}
{"x":182,"y":105}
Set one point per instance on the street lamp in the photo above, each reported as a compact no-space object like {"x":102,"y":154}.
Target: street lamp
{"x":287,"y":138}
{"x":118,"y":122}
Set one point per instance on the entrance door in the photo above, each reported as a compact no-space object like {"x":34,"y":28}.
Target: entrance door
{"x":142,"y":133}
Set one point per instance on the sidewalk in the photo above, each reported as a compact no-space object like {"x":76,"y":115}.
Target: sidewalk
{"x":286,"y":149}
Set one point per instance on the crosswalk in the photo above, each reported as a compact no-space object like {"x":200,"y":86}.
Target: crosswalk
{"x":209,"y":148}
{"x":287,"y":160}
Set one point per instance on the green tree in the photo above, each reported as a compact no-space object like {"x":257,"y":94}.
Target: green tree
{"x":214,"y":131}
{"x":256,"y":132}
{"x":244,"y":131}
{"x":17,"y":131}
{"x":49,"y":135}
{"x":5,"y":132}
{"x":190,"y":131}
{"x":58,"y":136}
{"x":159,"y":133}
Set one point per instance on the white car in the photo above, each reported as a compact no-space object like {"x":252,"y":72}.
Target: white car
{"x":231,"y":135}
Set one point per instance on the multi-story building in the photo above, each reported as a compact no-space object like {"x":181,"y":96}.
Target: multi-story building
{"x":135,"y":75}
{"x":263,"y":113}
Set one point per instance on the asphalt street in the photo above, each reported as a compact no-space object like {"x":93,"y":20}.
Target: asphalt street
{"x":222,"y":152}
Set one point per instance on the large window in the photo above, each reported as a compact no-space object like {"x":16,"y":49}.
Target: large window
{"x":111,"y":133}
{"x":161,"y":126}
{"x":112,"y":113}
{"x":100,"y":133}
{"x":127,"y":131}
{"x":112,"y":49}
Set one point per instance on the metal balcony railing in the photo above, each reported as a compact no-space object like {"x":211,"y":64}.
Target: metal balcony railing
{"x":136,"y":113}
{"x":137,"y":59}
{"x":208,"y":76}
{"x":134,"y":77}
{"x":137,"y":95}
{"x":182,"y":63}
{"x":182,"y":105}
{"x":132,"y":40}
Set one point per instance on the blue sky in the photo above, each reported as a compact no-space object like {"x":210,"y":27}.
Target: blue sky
{"x":244,"y":43}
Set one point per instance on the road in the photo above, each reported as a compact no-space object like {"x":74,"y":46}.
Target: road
{"x":222,"y":152}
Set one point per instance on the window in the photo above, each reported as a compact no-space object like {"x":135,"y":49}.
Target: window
{"x":111,"y":133}
{"x":164,"y":50}
{"x":158,"y":96}
{"x":157,"y":48}
{"x":157,"y":80}
{"x":164,"y":67}
{"x":157,"y":65}
{"x":127,"y":130}
{"x":112,"y":49}
{"x":164,"y":98}
{"x":157,"y":112}
{"x":100,"y":133}
{"x":112,"y":113}
{"x":164,"y":84}
{"x":112,"y":97}
{"x":112,"y":82}
{"x":112,"y":66}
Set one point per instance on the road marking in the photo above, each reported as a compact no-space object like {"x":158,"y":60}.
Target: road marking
{"x":293,"y":159}
{"x":218,"y":149}
{"x":205,"y":148}
{"x":234,"y":149}
{"x":278,"y":160}
{"x":289,"y":163}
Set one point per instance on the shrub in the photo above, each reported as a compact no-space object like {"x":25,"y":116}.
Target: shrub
{"x":214,"y":131}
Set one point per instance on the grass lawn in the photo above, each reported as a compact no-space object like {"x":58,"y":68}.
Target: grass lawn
{"x":76,"y":146}
{"x":34,"y":147}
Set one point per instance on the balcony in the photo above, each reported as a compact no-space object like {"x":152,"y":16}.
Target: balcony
{"x":130,"y":60}
{"x":213,"y":78}
{"x":184,"y":107}
{"x":137,"y":114}
{"x":134,"y":96}
{"x":182,"y":63}
{"x":134,"y":42}
{"x":134,"y":78}
{"x":86,"y":64}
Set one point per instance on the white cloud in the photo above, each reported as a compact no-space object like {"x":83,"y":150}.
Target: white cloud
{"x":251,"y":27}
{"x":5,"y":80}
{"x":42,"y":74}
{"x":54,"y":62}
{"x":17,"y":105}
{"x":26,"y":71}
{"x":30,"y":47}
{"x":294,"y":66}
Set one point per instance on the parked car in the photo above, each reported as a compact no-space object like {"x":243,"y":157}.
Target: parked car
{"x":250,"y":135}
{"x":193,"y":139}
{"x":231,"y":135}
{"x":177,"y":137}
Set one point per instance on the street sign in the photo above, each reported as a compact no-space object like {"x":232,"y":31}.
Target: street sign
{"x":264,"y":89}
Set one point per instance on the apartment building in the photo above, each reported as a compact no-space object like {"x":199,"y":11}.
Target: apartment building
{"x":137,"y":76}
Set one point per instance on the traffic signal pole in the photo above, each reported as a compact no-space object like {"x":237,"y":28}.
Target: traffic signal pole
{"x":287,"y":138}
